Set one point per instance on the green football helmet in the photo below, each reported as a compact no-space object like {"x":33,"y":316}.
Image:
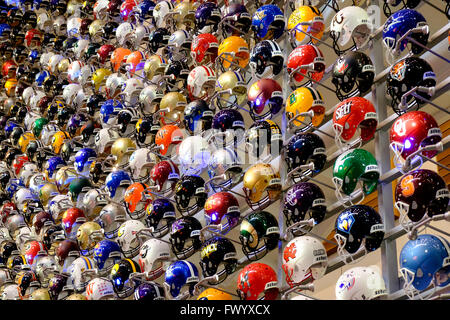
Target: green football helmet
{"x":354,"y":167}
{"x":259,"y":234}
{"x":77,"y":189}
{"x":37,"y":126}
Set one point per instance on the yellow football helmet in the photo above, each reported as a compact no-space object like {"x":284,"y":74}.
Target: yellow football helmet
{"x":58,"y":140}
{"x":121,"y":151}
{"x":214,"y":294}
{"x":309,"y":20}
{"x":74,"y":7}
{"x":47,"y":192}
{"x":95,"y":29}
{"x":172,"y":108}
{"x":259,"y":179}
{"x":303,"y":100}
{"x":63,"y":65}
{"x":234,"y":81}
{"x":24,"y":140}
{"x":99,"y":78}
{"x":155,"y":65}
{"x":10,"y":87}
{"x":88,"y":235}
{"x":234,"y":51}
{"x":40,"y":294}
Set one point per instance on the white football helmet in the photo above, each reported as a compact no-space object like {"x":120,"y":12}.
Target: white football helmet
{"x":44,"y":22}
{"x":304,"y":258}
{"x":104,"y":139}
{"x":11,"y":292}
{"x":47,"y":133}
{"x":162,"y":12}
{"x":141,"y":163}
{"x":73,"y":95}
{"x":100,"y":289}
{"x":194,"y":153}
{"x":81,"y":272}
{"x":201,"y":82}
{"x":27,"y":171}
{"x":80,"y":48}
{"x":150,"y":97}
{"x":100,"y":9}
{"x":45,"y":268}
{"x":152,"y":256}
{"x":74,"y":71}
{"x":22,"y":196}
{"x":60,"y":25}
{"x":53,"y":63}
{"x":93,"y":202}
{"x":179,"y":45}
{"x":126,"y":237}
{"x":360,"y":283}
{"x":131,"y":90}
{"x":124,"y":34}
{"x":113,"y":85}
{"x":58,"y":205}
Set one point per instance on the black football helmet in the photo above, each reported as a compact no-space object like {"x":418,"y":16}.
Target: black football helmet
{"x":263,"y":138}
{"x":157,"y":39}
{"x":190,"y":194}
{"x":198,"y":117}
{"x":217,"y":251}
{"x":160,"y":215}
{"x":120,"y":276}
{"x":185,"y":237}
{"x":266,"y":59}
{"x":353,"y":74}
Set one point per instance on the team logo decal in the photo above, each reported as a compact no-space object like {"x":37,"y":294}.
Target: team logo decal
{"x":345,"y":222}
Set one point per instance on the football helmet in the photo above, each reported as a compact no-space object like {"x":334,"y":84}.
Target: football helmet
{"x":424,"y":261}
{"x":261,"y":185}
{"x":127,"y":237}
{"x":262,"y":95}
{"x":185,"y":237}
{"x":360,"y":283}
{"x":157,"y":39}
{"x":228,"y":128}
{"x":217,"y":252}
{"x":179,"y":274}
{"x":99,"y":79}
{"x":136,"y":200}
{"x":109,"y":111}
{"x":207,"y":17}
{"x":121,"y":151}
{"x":161,"y":13}
{"x":303,"y":24}
{"x":354,"y":114}
{"x":231,"y":90}
{"x":149,"y":291}
{"x":233,"y":53}
{"x":197,"y":117}
{"x":83,"y":160}
{"x":356,"y":227}
{"x":204,"y":49}
{"x":179,"y":45}
{"x":388,"y":4}
{"x":100,"y":289}
{"x":268,"y":22}
{"x":214,"y":294}
{"x":412,"y":132}
{"x":106,"y":255}
{"x":259,"y":234}
{"x":399,"y":24}
{"x":350,"y":23}
{"x":168,"y":139}
{"x":78,"y":187}
{"x":301,"y":103}
{"x":406,"y":75}
{"x":104,"y":140}
{"x":82,"y":270}
{"x":154,"y":66}
{"x":353,"y":74}
{"x":190,"y":194}
{"x":88,"y":235}
{"x":352,"y":169}
{"x":420,"y":192}
{"x":194,"y":153}
{"x":116,"y":184}
{"x":153,"y":255}
{"x":304,"y":258}
{"x":201,"y":83}
{"x":118,"y":57}
{"x":303,"y":149}
{"x":257,"y":281}
{"x":70,"y":218}
{"x":164,"y":177}
{"x":110,"y":218}
{"x":263,"y":139}
{"x":222,"y":208}
{"x":171,"y":108}
{"x":304,"y":201}
{"x":150,"y":98}
{"x":141,"y":163}
{"x":236,"y":20}
{"x":266,"y":59}
{"x":159,"y":216}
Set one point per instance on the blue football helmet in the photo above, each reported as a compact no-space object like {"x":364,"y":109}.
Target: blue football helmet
{"x":149,"y":291}
{"x":109,"y":111}
{"x":145,"y":9}
{"x":114,"y":181}
{"x":106,"y":255}
{"x":398,"y":25}
{"x":422,"y":261}
{"x":207,"y":17}
{"x":9,"y":127}
{"x":268,"y":22}
{"x":40,"y":77}
{"x":4,"y":31}
{"x":84,"y":159}
{"x":179,"y":274}
{"x":52,"y":166}
{"x":13,"y":186}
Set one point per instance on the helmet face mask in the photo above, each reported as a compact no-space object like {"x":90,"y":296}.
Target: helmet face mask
{"x":185,"y":237}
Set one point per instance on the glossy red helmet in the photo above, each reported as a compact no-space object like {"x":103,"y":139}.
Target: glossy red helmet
{"x":220,"y":205}
{"x":114,"y":7}
{"x":257,"y":280}
{"x":265,"y":99}
{"x":104,"y":53}
{"x":164,"y":176}
{"x":202,"y":45}
{"x":6,"y":210}
{"x":69,"y":218}
{"x":33,"y":38}
{"x":413,"y":131}
{"x":18,"y":163}
{"x":31,"y":250}
{"x":352,"y":114}
{"x":309,"y":60}
{"x":127,"y":7}
{"x":9,"y":69}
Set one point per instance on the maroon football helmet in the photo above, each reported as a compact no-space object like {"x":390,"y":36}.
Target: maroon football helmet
{"x":222,"y":205}
{"x":164,"y":176}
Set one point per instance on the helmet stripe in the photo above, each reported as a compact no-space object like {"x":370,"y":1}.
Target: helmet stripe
{"x":87,"y":262}
{"x":132,"y":264}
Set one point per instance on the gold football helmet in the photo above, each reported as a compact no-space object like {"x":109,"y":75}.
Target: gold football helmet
{"x":155,"y":65}
{"x":259,"y":179}
{"x":47,"y":192}
{"x":233,"y":53}
{"x":88,"y":235}
{"x":40,"y":294}
{"x":24,"y":140}
{"x":231,"y":90}
{"x":121,"y":151}
{"x":64,"y":176}
{"x":58,"y":140}
{"x":172,"y":108}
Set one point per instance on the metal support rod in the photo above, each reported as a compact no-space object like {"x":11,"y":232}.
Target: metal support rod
{"x":427,"y":49}
{"x":430,"y":102}
{"x":296,"y":70}
{"x":434,"y":162}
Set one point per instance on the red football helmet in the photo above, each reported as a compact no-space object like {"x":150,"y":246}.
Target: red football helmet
{"x":202,"y":45}
{"x":65,"y":249}
{"x":220,"y":205}
{"x":352,"y":114}
{"x":104,"y":53}
{"x":257,"y":279}
{"x":413,"y":131}
{"x":265,"y":99}
{"x":9,"y":69}
{"x":31,"y":250}
{"x":40,"y":220}
{"x":6,"y":210}
{"x":137,"y":199}
{"x":164,"y":177}
{"x":18,"y":163}
{"x":69,"y":218}
{"x":421,"y":192}
{"x":127,"y":7}
{"x":114,"y":8}
{"x":310,"y":61}
{"x":33,"y":38}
